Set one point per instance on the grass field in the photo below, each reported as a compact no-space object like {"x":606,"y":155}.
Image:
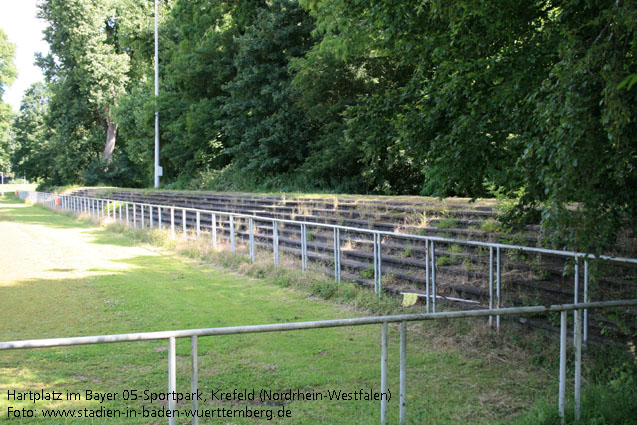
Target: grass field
{"x":60,"y":276}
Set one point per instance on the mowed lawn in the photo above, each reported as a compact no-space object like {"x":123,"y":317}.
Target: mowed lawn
{"x":60,"y":276}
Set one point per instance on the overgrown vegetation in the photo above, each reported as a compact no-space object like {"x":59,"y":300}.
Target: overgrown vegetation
{"x":609,"y":398}
{"x":7,"y":75}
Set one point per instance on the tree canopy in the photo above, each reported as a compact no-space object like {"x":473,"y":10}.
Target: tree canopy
{"x":7,"y":76}
{"x":533,"y":100}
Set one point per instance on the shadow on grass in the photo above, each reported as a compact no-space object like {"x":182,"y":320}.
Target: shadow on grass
{"x":17,"y":211}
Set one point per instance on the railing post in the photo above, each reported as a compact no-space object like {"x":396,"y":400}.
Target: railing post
{"x":498,"y":286}
{"x":142,"y":215}
{"x":194,"y":384}
{"x":127,"y":220}
{"x":337,"y":255}
{"x":231,"y":233}
{"x":198,"y":225}
{"x":183,"y":221}
{"x":562,"y":388}
{"x":403,"y":372}
{"x":578,"y":363}
{"x":585,"y":300}
{"x":159,"y":218}
{"x":490,"y":284}
{"x":427,"y":281}
{"x":576,"y":328}
{"x":251,"y":232}
{"x":378,"y":266}
{"x":214,"y":231}
{"x":303,"y":247}
{"x":375,"y":265}
{"x":150,"y":216}
{"x":172,"y":222}
{"x":134,"y":215}
{"x":172,"y":378}
{"x":433,"y":275}
{"x":275,"y":242}
{"x":383,"y":375}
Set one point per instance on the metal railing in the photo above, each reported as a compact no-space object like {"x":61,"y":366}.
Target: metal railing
{"x":112,"y":209}
{"x":194,"y":334}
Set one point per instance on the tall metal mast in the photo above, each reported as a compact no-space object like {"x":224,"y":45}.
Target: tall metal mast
{"x":158,"y":170}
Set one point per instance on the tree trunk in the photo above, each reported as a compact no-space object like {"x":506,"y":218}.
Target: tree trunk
{"x":111,"y":135}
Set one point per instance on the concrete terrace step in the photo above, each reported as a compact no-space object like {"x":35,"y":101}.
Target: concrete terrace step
{"x":285,"y":213}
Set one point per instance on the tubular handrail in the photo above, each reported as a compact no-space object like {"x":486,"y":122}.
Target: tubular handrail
{"x":194,"y":334}
{"x":317,"y":324}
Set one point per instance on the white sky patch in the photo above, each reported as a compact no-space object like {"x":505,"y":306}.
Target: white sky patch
{"x":18,"y":19}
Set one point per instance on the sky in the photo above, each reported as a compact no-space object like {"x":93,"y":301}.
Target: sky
{"x":18,"y":20}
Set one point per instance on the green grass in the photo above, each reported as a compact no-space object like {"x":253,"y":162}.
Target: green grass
{"x":454,"y":249}
{"x":407,"y":252}
{"x":445,"y":261}
{"x":446,"y":223}
{"x":491,"y":225}
{"x":65,"y":277}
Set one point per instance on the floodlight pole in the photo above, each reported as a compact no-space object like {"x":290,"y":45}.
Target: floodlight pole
{"x":158,"y":172}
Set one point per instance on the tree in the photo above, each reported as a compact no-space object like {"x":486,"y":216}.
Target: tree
{"x":87,"y":59}
{"x":580,"y":147}
{"x":7,"y":75}
{"x":267,"y":131}
{"x":33,"y":153}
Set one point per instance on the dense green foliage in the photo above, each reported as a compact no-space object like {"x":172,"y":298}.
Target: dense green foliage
{"x":533,"y":100}
{"x":610,"y":397}
{"x":7,"y":75}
